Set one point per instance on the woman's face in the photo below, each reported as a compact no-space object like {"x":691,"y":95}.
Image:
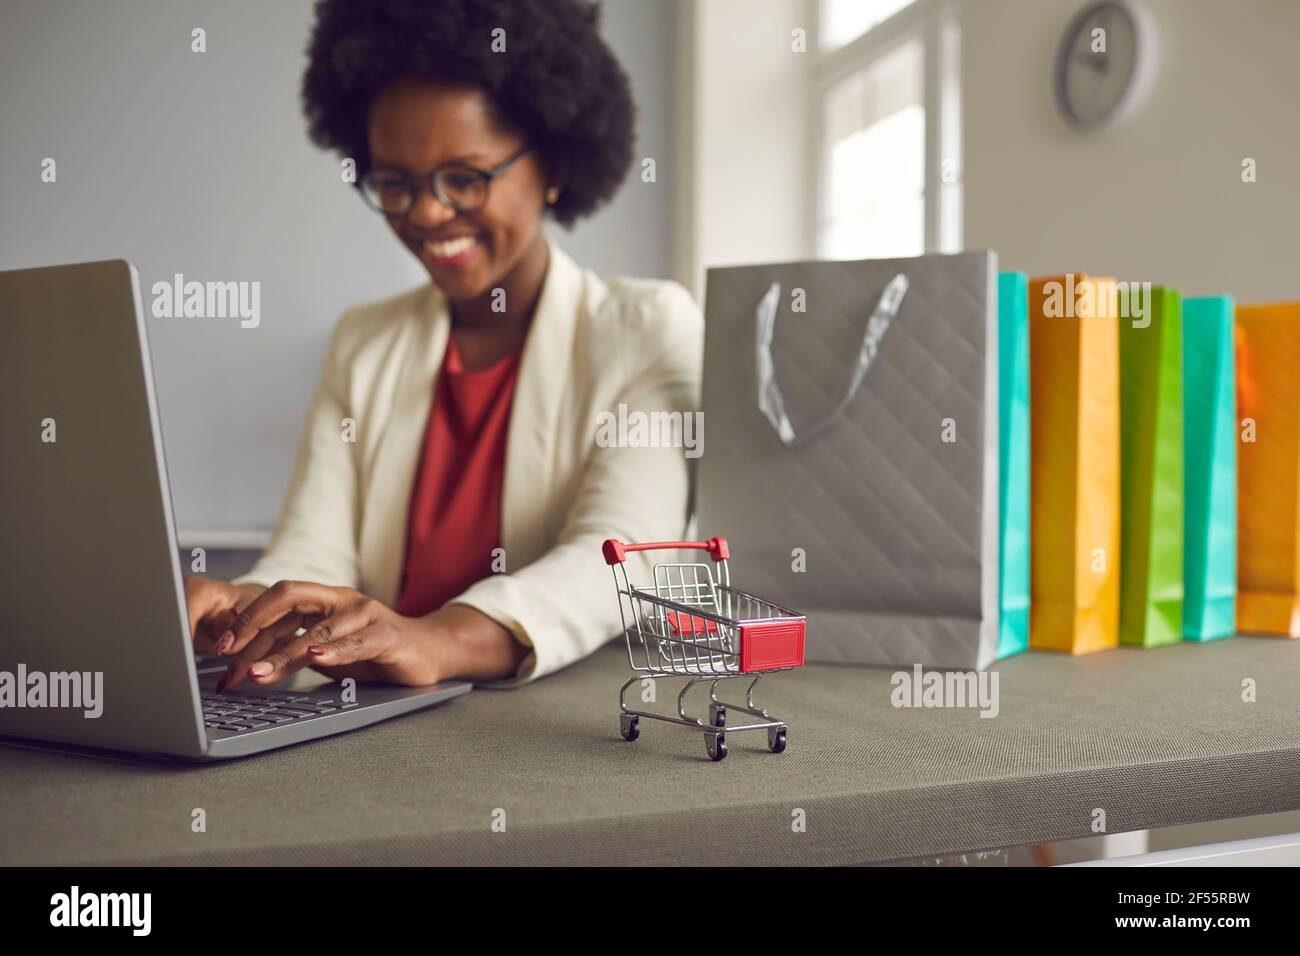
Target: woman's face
{"x":418,"y":124}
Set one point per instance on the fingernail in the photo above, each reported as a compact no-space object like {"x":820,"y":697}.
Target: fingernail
{"x":223,"y":645}
{"x":260,"y":669}
{"x":316,"y":650}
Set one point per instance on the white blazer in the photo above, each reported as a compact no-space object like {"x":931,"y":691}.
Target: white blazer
{"x":594,"y":344}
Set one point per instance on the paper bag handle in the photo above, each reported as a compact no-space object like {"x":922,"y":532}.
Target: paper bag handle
{"x":770,"y":400}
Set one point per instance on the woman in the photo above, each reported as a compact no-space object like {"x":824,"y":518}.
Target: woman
{"x":449,"y":498}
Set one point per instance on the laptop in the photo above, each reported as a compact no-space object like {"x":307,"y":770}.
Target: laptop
{"x":95,"y":648}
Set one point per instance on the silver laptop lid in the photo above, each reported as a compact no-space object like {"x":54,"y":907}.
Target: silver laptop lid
{"x":92,"y":612}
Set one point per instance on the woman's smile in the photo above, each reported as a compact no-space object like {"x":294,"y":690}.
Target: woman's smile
{"x":453,"y":253}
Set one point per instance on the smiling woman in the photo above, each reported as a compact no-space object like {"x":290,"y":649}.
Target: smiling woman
{"x":449,"y":138}
{"x":449,"y":497}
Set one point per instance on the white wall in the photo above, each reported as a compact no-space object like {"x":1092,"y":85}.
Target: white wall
{"x":749,"y":156}
{"x":1160,"y":198}
{"x":200,"y":164}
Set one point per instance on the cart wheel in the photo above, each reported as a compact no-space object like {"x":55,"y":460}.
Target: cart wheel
{"x":629,"y":725}
{"x":717,"y":744}
{"x":717,"y":715}
{"x":776,"y":739}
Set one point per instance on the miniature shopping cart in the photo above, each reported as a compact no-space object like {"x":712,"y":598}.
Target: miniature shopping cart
{"x":692,"y":623}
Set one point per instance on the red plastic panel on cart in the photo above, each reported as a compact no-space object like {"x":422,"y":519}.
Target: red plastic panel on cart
{"x":690,"y":624}
{"x":771,"y":645}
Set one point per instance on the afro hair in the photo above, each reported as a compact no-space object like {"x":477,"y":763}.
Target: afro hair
{"x":556,"y":81}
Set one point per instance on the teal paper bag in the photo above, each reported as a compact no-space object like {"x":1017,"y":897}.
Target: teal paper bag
{"x":1013,"y":463}
{"x":1151,"y":473}
{"x":1209,"y":470}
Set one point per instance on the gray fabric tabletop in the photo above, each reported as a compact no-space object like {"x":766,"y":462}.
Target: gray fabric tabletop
{"x":1152,"y":737}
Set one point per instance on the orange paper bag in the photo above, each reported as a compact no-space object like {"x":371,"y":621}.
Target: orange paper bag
{"x":1268,"y":469}
{"x":1074,"y":472}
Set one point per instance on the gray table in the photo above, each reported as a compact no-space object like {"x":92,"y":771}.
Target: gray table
{"x":1154,"y":738}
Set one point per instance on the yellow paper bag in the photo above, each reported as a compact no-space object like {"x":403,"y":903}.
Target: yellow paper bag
{"x":1268,"y":469}
{"x":1074,"y":472}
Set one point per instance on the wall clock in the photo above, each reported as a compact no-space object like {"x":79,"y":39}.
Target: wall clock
{"x":1104,"y":64}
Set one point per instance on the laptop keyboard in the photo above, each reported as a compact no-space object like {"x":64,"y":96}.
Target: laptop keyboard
{"x":236,"y":713}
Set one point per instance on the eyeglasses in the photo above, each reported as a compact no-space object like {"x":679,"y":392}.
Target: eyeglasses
{"x":393,"y":191}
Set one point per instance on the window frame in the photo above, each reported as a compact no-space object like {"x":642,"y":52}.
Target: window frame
{"x":936,"y":23}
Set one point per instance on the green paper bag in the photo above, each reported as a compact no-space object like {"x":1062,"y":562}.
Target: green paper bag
{"x":1151,"y":473}
{"x":1013,"y":463}
{"x":1209,"y":470}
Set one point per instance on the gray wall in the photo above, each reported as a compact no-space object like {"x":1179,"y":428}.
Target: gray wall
{"x":199,"y":164}
{"x":1159,"y":198}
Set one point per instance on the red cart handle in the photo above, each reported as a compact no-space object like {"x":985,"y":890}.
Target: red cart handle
{"x":615,"y":551}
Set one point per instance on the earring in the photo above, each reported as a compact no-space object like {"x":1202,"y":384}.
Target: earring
{"x":552,"y":195}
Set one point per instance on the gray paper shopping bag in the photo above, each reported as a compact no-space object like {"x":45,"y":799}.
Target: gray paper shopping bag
{"x":851,"y":457}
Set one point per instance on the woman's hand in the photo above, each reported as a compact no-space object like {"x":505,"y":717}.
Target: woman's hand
{"x":213,"y":606}
{"x":351,"y":635}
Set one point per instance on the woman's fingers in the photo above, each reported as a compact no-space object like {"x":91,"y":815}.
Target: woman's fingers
{"x":284,"y":597}
{"x":296,"y":653}
{"x":265,"y":642}
{"x":209,"y":604}
{"x":364,"y":645}
{"x":199,"y":600}
{"x":221,"y":621}
{"x":345,"y":630}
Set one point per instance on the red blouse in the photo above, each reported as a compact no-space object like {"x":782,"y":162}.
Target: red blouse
{"x":454,"y":522}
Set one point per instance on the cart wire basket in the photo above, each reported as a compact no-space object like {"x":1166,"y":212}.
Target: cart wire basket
{"x":691,"y":623}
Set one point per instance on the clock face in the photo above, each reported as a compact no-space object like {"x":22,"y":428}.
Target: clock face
{"x":1097,"y":64}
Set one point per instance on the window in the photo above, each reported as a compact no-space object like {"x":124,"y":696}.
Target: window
{"x":845,"y":20}
{"x":889,"y":164}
